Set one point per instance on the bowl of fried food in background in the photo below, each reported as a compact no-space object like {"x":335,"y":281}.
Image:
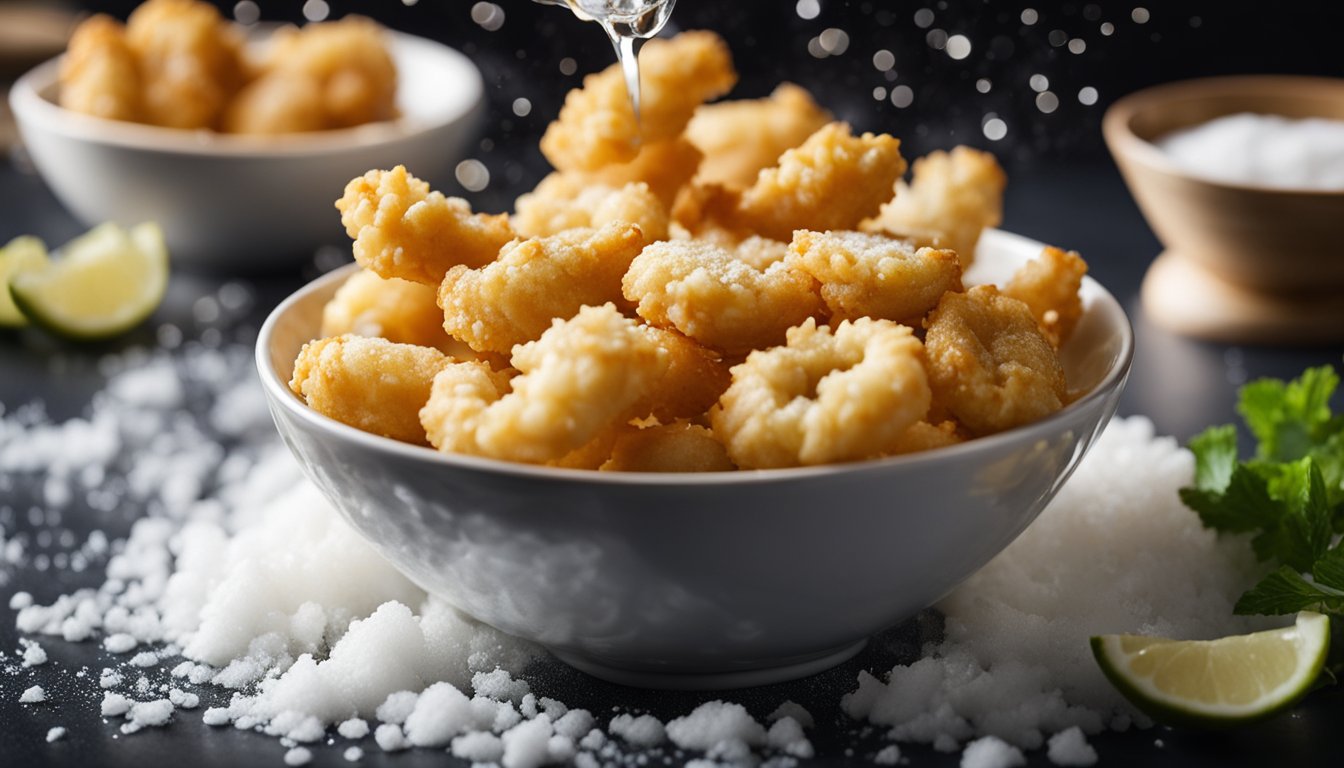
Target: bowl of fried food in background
{"x":1246,"y":260}
{"x":236,"y":141}
{"x":697,"y":424}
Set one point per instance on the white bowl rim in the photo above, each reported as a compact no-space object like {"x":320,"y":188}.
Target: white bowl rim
{"x":30,"y":106}
{"x":279,"y":392}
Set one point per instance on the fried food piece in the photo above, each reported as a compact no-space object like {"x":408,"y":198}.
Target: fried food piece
{"x":716,"y":298}
{"x":99,"y":74}
{"x":343,"y":64}
{"x":278,"y":102}
{"x":397,"y":310}
{"x":825,"y":396}
{"x":402,"y":229}
{"x":833,"y":181}
{"x":953,"y":195}
{"x":743,"y":137}
{"x":577,"y":381}
{"x":761,"y":252}
{"x":514,"y":299}
{"x":666,"y":166}
{"x":371,"y":384}
{"x":989,"y":363}
{"x":677,"y":447}
{"x":567,"y":201}
{"x":692,"y":379}
{"x":190,"y":62}
{"x":597,"y":126}
{"x":1049,"y":285}
{"x":864,"y":275}
{"x":926,"y":436}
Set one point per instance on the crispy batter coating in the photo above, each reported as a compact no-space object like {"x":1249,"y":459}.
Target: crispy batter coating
{"x":666,"y":166}
{"x":864,"y":275}
{"x":597,"y":126}
{"x":513,"y":300}
{"x":989,"y":363}
{"x":326,"y":75}
{"x":577,"y":381}
{"x":953,"y":196}
{"x":190,"y":62}
{"x":1049,"y":285}
{"x":99,"y":74}
{"x":568,"y":201}
{"x":834,"y":180}
{"x":692,"y":379}
{"x":402,"y":229}
{"x":396,"y":310}
{"x":926,"y":436}
{"x":743,"y":137}
{"x":371,"y":384}
{"x":717,"y":299}
{"x":824,"y":397}
{"x":676,"y":447}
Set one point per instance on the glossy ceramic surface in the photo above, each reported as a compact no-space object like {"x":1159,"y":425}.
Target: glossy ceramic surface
{"x":246,"y":202}
{"x":701,"y":580}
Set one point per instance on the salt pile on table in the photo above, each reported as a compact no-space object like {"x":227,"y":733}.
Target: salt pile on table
{"x":1262,"y":151}
{"x":325,"y":640}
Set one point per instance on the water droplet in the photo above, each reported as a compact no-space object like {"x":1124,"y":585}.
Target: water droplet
{"x":316,"y":10}
{"x":1077,"y":45}
{"x":472,"y":175}
{"x":1047,"y":102}
{"x":924,"y":18}
{"x":1030,"y":17}
{"x":1107,"y":29}
{"x":880,"y":93}
{"x":1140,"y":15}
{"x":902,"y":96}
{"x":937,"y":39}
{"x":1087,"y":96}
{"x":489,"y":16}
{"x":1039,"y":83}
{"x":522,"y":107}
{"x":983,"y":85}
{"x":246,"y":12}
{"x":995,"y":129}
{"x":1058,"y":37}
{"x":958,"y":47}
{"x":568,"y":66}
{"x":808,"y":9}
{"x":883,"y":60}
{"x":834,"y":41}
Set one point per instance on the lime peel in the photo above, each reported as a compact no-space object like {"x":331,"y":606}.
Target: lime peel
{"x":22,"y":254}
{"x":1217,"y":683}
{"x":102,"y":283}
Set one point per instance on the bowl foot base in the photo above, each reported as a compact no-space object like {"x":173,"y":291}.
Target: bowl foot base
{"x":713,"y":681}
{"x":1182,"y":296}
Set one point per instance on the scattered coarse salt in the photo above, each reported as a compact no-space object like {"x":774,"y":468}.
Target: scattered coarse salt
{"x":888,"y":755}
{"x":353,"y":754}
{"x":786,"y":735}
{"x":714,"y":722}
{"x":298,"y":756}
{"x":152,"y":714}
{"x":794,"y":710}
{"x":20,"y":600}
{"x":55,"y":734}
{"x":478,"y":747}
{"x":390,"y":738}
{"x":144,"y":659}
{"x":991,"y":752}
{"x":641,"y":731}
{"x":397,"y":707}
{"x":526,"y":744}
{"x":33,"y":695}
{"x":119,"y":643}
{"x":183,"y":700}
{"x":354,"y":728}
{"x":1070,"y":747}
{"x":114,"y":705}
{"x":34,"y":655}
{"x":441,"y":712}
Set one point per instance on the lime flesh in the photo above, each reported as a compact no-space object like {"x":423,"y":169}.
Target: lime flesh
{"x":102,"y":284}
{"x":22,"y":254}
{"x":1212,"y":683}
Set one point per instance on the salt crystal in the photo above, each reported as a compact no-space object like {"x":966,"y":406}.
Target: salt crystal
{"x":390,"y":738}
{"x":713,"y":722}
{"x":354,"y":728}
{"x":642,"y":731}
{"x":298,"y":756}
{"x":794,"y":710}
{"x":20,"y":600}
{"x":1070,"y":747}
{"x":991,"y":752}
{"x":114,"y":705}
{"x":109,"y":678}
{"x":215,"y":716}
{"x":576,"y":723}
{"x":560,"y":749}
{"x":498,"y":684}
{"x":594,"y":740}
{"x":786,"y":736}
{"x":888,"y":755}
{"x":525,"y":744}
{"x":353,"y":754}
{"x":55,"y":734}
{"x":33,"y":695}
{"x":119,"y":643}
{"x":441,"y":712}
{"x":1262,"y":150}
{"x":478,"y":747}
{"x":397,"y":707}
{"x":144,"y":659}
{"x":33,"y":654}
{"x":154,"y":714}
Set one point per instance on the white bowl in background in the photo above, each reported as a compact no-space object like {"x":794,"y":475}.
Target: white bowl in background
{"x":246,"y":203}
{"x":703,"y":580}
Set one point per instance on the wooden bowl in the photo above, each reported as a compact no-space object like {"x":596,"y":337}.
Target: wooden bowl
{"x":1267,"y":240}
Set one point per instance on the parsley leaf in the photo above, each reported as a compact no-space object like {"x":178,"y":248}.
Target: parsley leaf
{"x":1290,"y":419}
{"x":1285,"y":591}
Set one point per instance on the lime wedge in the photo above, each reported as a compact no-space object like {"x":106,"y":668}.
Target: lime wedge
{"x":22,"y":254}
{"x":101,"y":284}
{"x":1213,"y":683}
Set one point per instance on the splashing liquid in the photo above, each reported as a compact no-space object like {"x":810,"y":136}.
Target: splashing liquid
{"x":624,"y":21}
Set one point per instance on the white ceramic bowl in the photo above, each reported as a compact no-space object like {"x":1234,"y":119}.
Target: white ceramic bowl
{"x":699,"y":580}
{"x":232,"y":202}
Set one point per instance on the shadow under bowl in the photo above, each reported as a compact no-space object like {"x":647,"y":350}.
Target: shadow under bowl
{"x":1264,"y":238}
{"x":706,"y":580}
{"x":230,"y":202}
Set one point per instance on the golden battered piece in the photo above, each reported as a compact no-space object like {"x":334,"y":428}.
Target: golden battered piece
{"x":577,"y":381}
{"x":925,"y":436}
{"x":666,"y":166}
{"x":99,"y":74}
{"x":717,"y":299}
{"x":693,"y":377}
{"x":953,"y":195}
{"x":190,"y":62}
{"x":824,"y":397}
{"x":989,"y":363}
{"x":761,"y":252}
{"x":566,"y":201}
{"x":1049,"y":285}
{"x":340,"y":73}
{"x":597,"y":126}
{"x":397,"y":310}
{"x":677,"y":447}
{"x":402,"y":229}
{"x":744,"y":137}
{"x":833,"y":181}
{"x":514,"y":299}
{"x":865,"y":275}
{"x":370,"y":384}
